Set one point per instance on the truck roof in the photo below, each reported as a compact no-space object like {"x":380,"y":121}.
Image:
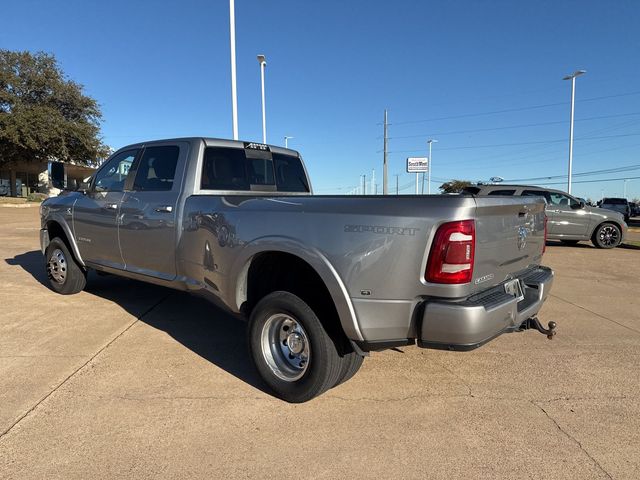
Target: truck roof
{"x":220,"y":142}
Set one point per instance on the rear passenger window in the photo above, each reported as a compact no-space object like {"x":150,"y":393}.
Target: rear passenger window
{"x":224,"y":169}
{"x":157,"y":169}
{"x":537,"y":193}
{"x":502,"y":192}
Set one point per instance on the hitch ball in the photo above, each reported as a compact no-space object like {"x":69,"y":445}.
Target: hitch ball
{"x":552,"y":330}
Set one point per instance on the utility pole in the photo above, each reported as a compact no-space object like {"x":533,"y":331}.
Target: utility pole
{"x":430,"y":141}
{"x":572,"y":77}
{"x":397,"y":176}
{"x":263,"y":64}
{"x":373,"y":181}
{"x":234,"y":92}
{"x":364,"y":184}
{"x":384,"y":162}
{"x":624,"y":195}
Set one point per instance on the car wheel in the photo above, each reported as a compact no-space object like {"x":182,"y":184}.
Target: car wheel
{"x":607,"y":235}
{"x":65,"y":275}
{"x":570,"y":242}
{"x":290,"y":348}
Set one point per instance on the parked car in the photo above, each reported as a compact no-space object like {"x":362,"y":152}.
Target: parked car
{"x":620,"y":205}
{"x":322,"y":279}
{"x":635,"y":209}
{"x":570,"y":219}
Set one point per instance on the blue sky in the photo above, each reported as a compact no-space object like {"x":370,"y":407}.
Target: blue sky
{"x":161,"y":69}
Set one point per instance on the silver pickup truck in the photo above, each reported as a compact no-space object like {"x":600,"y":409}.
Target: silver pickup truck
{"x":322,"y":279}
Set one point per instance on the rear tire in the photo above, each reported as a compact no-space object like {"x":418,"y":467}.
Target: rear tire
{"x":351,"y":363}
{"x":65,"y":275}
{"x":290,"y":348}
{"x":607,"y":235}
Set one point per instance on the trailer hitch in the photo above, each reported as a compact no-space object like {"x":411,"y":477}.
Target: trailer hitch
{"x":534,"y":323}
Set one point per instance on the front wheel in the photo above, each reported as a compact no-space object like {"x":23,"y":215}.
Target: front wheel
{"x":290,"y":348}
{"x":65,"y":275}
{"x":607,"y":235}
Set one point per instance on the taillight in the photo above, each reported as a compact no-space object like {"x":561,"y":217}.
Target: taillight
{"x":544,"y":244}
{"x":452,"y":252}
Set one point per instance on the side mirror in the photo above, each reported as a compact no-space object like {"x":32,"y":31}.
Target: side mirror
{"x":57,"y":175}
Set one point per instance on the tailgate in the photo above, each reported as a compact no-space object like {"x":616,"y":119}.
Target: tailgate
{"x":509,"y":238}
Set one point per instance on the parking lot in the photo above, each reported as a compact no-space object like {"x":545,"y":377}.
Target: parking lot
{"x":138,"y":381}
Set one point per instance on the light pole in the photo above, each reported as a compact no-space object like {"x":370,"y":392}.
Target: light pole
{"x":263,"y":63}
{"x":286,"y":141}
{"x":234,"y":92}
{"x":624,"y":194}
{"x":572,"y":77}
{"x":429,"y":142}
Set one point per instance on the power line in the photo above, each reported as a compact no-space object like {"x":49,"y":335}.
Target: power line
{"x":495,"y":112}
{"x":593,"y":181}
{"x":522,"y":143}
{"x":518,"y":109}
{"x":581,"y":174}
{"x":510,"y":127}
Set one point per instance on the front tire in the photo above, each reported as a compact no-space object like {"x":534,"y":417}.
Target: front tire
{"x":290,"y":348}
{"x":607,"y":235}
{"x":65,"y":275}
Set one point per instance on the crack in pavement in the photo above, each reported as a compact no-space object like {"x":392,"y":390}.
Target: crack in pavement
{"x":573,"y":439}
{"x":103,"y":348}
{"x":594,"y":313}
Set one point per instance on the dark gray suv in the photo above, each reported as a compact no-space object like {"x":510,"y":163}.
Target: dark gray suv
{"x":570,"y":220}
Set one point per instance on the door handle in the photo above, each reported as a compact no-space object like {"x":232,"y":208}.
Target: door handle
{"x":165,"y":209}
{"x":111,"y":206}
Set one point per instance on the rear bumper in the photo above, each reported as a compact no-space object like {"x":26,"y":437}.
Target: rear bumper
{"x":469,"y":324}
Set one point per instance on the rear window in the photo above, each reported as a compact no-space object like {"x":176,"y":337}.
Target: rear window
{"x":226,"y":168}
{"x":502,"y":192}
{"x":615,"y":201}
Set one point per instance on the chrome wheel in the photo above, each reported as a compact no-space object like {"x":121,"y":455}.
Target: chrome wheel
{"x":285,"y":347}
{"x":609,"y":236}
{"x":57,"y":266}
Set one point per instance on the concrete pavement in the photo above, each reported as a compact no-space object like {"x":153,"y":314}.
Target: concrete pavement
{"x":137,"y":381}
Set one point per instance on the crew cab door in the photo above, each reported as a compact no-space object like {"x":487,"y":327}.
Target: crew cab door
{"x":147,"y":222}
{"x":95,"y":215}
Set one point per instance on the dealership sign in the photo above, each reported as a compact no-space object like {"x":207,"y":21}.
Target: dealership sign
{"x":417,"y":164}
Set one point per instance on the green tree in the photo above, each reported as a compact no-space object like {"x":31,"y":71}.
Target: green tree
{"x":43,"y":114}
{"x":454,"y":186}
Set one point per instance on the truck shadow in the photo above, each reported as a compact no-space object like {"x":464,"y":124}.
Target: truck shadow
{"x":200,"y":326}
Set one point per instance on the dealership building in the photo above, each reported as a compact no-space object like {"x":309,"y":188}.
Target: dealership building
{"x":23,"y":178}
